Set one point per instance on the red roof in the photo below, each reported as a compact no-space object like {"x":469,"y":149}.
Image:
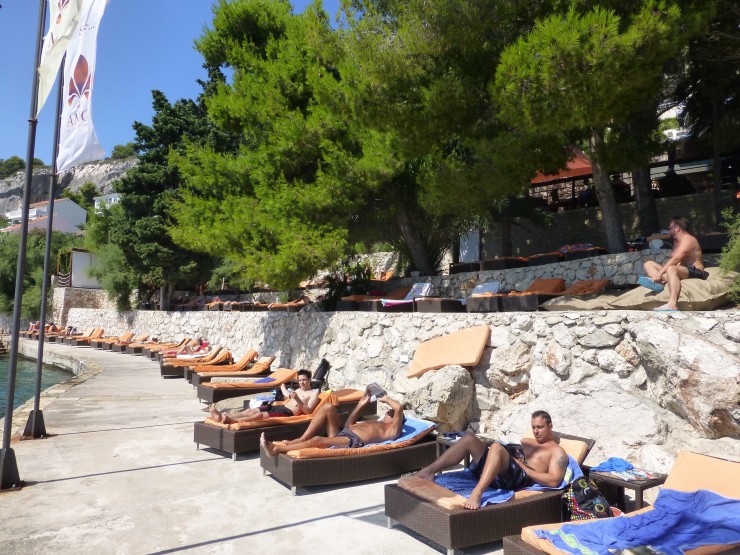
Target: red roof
{"x":579,"y":166}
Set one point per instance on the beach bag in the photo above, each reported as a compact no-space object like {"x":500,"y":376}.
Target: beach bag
{"x":583,"y":501}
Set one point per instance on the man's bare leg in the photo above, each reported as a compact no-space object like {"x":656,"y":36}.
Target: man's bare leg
{"x":496,"y":462}
{"x":468,"y":444}
{"x":215,"y":414}
{"x":674,"y":276}
{"x":326,"y":416}
{"x":273,"y":449}
{"x":653,"y":270}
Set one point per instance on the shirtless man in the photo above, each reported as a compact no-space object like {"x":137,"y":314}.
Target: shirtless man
{"x":353,"y":434}
{"x":301,"y":401}
{"x":686,"y":262}
{"x":545,"y":464}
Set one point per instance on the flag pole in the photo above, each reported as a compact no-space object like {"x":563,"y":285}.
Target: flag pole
{"x":35,"y":427}
{"x":9,"y":477}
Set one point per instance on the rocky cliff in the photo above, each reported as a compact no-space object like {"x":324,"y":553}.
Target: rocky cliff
{"x":103,"y":173}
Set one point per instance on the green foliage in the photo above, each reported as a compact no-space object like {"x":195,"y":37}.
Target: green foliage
{"x":11,"y":166}
{"x":119,"y":152}
{"x":730,"y":258}
{"x":85,"y":197}
{"x":34,"y":265}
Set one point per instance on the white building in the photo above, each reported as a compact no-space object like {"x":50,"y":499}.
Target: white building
{"x":68,"y":217}
{"x":106,"y":201}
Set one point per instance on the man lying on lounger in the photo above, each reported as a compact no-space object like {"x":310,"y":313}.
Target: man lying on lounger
{"x":353,"y":434}
{"x":543,"y":462}
{"x":301,"y":401}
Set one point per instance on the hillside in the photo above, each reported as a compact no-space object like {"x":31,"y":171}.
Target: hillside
{"x":103,"y":173}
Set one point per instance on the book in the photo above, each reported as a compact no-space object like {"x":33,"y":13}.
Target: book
{"x":515,"y":450}
{"x":375,"y":391}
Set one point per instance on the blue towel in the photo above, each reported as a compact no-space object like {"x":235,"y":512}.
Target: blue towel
{"x":463,"y":482}
{"x":613,"y":464}
{"x":678,"y":522}
{"x":264,"y":380}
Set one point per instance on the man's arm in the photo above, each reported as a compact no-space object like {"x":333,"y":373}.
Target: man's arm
{"x":352,"y":418}
{"x":308,"y":406}
{"x":396,"y":426}
{"x":553,"y":477}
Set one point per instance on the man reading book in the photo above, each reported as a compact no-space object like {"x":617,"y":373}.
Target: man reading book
{"x":543,"y":461}
{"x":301,"y":401}
{"x":353,"y":434}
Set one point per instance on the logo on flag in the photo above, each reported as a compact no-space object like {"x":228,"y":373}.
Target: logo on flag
{"x":78,"y":142}
{"x":63,"y":18}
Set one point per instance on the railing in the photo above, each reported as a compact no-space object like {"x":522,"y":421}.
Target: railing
{"x":64,"y":280}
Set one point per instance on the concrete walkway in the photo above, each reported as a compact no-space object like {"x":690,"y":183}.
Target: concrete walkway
{"x":120,"y":474}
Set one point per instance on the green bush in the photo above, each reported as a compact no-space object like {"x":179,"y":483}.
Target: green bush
{"x":730,"y":258}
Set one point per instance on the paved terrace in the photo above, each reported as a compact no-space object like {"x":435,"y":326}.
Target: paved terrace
{"x":120,"y":474}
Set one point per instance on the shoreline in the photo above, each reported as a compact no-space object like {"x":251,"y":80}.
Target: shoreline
{"x":80,"y":369}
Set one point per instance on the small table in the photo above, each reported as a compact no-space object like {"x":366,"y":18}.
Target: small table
{"x":638,"y":486}
{"x":444,"y":443}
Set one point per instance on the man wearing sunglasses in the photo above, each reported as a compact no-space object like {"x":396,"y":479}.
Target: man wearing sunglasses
{"x":686,"y":262}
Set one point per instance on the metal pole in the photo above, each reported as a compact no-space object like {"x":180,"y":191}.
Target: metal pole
{"x":9,"y":477}
{"x":35,"y":427}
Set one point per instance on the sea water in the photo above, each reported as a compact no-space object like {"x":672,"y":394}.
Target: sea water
{"x":25,"y":381}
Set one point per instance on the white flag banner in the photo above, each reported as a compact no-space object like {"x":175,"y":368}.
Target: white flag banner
{"x":77,"y":141}
{"x":63,"y":18}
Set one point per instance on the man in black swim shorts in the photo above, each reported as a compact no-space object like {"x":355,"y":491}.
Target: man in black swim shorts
{"x":354,"y":434}
{"x":544,"y":462}
{"x":686,"y":262}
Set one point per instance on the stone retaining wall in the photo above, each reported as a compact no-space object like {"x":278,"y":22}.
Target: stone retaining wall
{"x":644,"y":385}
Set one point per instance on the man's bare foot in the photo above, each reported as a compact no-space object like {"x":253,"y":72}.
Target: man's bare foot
{"x":267,"y":445}
{"x":226,"y":419}
{"x":424,"y":474}
{"x":215,"y":414}
{"x":473,"y":501}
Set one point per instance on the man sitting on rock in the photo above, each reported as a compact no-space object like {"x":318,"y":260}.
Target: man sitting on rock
{"x":686,"y":262}
{"x":353,"y":434}
{"x":301,"y":401}
{"x":543,"y":462}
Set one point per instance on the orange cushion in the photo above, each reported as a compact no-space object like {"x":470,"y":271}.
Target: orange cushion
{"x":464,"y":347}
{"x":586,"y":287}
{"x":546,"y":285}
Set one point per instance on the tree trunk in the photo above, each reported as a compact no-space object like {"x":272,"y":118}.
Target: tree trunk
{"x":615,"y":239}
{"x":417,"y":249}
{"x":717,"y":162}
{"x":646,"y":211}
{"x":165,"y":296}
{"x":506,"y":245}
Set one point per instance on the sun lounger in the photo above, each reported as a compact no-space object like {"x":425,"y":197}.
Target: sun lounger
{"x":463,"y":347}
{"x":539,"y":291}
{"x":120,"y":346}
{"x":105,"y":342}
{"x":206,"y":373}
{"x":176,"y":368}
{"x":455,"y":528}
{"x":239,"y":366}
{"x":84,"y":341}
{"x":151,"y":351}
{"x":503,"y":263}
{"x":320,"y":467}
{"x":214,"y":392}
{"x":484,"y":298}
{"x":243,"y":437}
{"x":405,"y":304}
{"x":691,"y":472}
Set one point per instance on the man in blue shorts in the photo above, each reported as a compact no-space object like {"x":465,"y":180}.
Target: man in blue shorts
{"x":541,"y":461}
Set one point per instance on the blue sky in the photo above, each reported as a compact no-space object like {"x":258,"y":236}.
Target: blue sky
{"x":142,"y":45}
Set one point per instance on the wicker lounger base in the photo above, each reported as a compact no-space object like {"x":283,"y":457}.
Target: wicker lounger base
{"x":131,"y":350}
{"x":515,"y":545}
{"x":244,"y":441}
{"x":459,"y":528}
{"x":168,"y":371}
{"x":341,"y":470}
